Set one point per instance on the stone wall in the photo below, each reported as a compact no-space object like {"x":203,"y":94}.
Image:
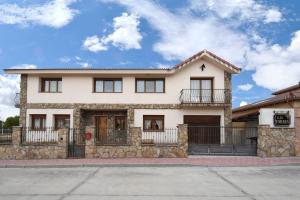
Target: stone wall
{"x":42,"y":151}
{"x":135,"y":149}
{"x":275,"y":142}
{"x":23,"y":100}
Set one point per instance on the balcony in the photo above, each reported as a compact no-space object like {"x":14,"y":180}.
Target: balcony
{"x":17,"y":100}
{"x":206,"y":97}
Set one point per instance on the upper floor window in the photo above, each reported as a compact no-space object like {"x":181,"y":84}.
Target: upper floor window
{"x":51,"y":85}
{"x":150,"y":85}
{"x":108,"y":85}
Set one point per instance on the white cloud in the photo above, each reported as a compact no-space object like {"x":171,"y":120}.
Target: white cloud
{"x":24,"y":66}
{"x":84,"y":64}
{"x":9,"y":86}
{"x":245,"y":87}
{"x":65,"y":59}
{"x":163,"y":66}
{"x":8,"y":111}
{"x":55,"y":13}
{"x":126,"y":35}
{"x":243,"y":103}
{"x":273,"y":16}
{"x":276,"y":66}
{"x":182,"y":35}
{"x":245,"y":10}
{"x":219,"y":27}
{"x":94,"y":44}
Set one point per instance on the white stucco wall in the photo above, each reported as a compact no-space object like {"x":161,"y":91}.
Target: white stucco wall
{"x":266,"y":116}
{"x":173,"y":117}
{"x":79,"y":88}
{"x":49,"y":115}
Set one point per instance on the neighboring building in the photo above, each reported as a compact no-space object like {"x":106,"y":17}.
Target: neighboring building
{"x":279,"y":112}
{"x":196,"y":91}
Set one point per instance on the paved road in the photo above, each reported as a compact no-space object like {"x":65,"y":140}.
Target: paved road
{"x":138,"y":183}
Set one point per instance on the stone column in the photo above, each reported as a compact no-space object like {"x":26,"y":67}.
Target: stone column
{"x":135,"y":134}
{"x":182,"y":140}
{"x":130,"y":117}
{"x":62,"y":151}
{"x":90,"y":146}
{"x":76,"y":117}
{"x":23,"y":100}
{"x":16,"y":136}
{"x":262,"y":137}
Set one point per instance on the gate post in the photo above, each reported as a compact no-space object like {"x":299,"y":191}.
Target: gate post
{"x":90,"y":147}
{"x":16,"y":136}
{"x":62,"y":143}
{"x":182,"y":140}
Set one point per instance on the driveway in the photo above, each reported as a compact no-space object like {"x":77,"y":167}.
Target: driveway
{"x":151,"y":182}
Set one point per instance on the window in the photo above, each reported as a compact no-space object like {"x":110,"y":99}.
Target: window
{"x":38,"y":121}
{"x":153,"y":123}
{"x":61,"y":121}
{"x":108,"y":85}
{"x":201,"y":90}
{"x":51,"y":85}
{"x":150,"y":85}
{"x":120,"y":122}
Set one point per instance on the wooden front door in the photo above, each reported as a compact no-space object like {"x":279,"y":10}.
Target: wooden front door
{"x":102,"y":128}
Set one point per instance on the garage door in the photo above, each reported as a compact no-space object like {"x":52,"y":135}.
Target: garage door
{"x":203,"y":129}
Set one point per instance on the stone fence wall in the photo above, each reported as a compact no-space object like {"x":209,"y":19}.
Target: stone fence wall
{"x":17,"y":150}
{"x":136,"y":149}
{"x":276,"y":142}
{"x":59,"y":150}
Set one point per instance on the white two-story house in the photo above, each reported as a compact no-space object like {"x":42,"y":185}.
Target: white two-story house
{"x":196,"y":91}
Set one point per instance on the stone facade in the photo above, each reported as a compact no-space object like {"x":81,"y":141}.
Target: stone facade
{"x":46,"y":151}
{"x":136,"y":149}
{"x":275,"y":142}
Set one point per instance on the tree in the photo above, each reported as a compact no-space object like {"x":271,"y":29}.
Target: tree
{"x":11,"y":121}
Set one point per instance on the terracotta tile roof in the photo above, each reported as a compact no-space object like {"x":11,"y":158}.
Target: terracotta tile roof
{"x":292,"y":96}
{"x":214,"y":56}
{"x":294,"y":87}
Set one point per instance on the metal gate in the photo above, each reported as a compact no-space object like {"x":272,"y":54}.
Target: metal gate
{"x":76,"y":143}
{"x":222,"y":140}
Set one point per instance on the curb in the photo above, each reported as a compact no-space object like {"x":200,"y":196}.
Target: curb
{"x":141,"y":165}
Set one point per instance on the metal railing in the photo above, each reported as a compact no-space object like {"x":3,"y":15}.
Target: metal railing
{"x":39,"y":136}
{"x":17,"y":100}
{"x":215,"y":140}
{"x":5,"y":136}
{"x":168,"y":136}
{"x":205,"y":96}
{"x":112,"y":137}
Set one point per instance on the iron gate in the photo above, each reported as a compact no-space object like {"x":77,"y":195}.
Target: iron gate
{"x":76,"y":143}
{"x":222,"y":140}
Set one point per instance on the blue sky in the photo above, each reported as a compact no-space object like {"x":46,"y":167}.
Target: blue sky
{"x":259,"y":36}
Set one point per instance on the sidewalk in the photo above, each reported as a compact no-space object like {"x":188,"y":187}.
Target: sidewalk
{"x":191,"y":161}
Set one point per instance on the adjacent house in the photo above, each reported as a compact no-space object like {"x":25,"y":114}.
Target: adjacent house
{"x":113,"y":101}
{"x":281,"y":115}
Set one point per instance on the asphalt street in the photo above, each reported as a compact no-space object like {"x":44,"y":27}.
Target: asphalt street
{"x":149,"y":182}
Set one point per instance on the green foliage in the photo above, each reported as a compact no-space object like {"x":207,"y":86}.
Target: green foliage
{"x":10,"y":122}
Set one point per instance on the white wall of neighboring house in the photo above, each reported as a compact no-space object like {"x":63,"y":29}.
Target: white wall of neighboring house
{"x":49,"y":115}
{"x":266,"y":116}
{"x":79,"y":88}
